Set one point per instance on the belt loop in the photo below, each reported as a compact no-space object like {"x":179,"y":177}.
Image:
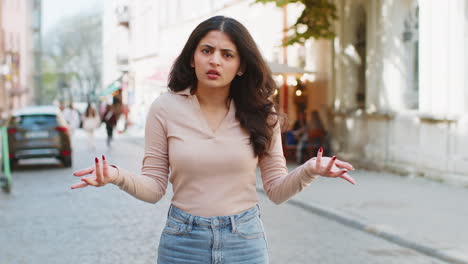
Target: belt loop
{"x":190,"y":223}
{"x":258,"y":209}
{"x":233,"y":224}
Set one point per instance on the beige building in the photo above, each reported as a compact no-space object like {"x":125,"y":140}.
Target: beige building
{"x":400,"y":88}
{"x":16,"y":53}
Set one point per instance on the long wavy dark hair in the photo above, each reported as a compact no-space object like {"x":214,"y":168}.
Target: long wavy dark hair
{"x":250,"y":92}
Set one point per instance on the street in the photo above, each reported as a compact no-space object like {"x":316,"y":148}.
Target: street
{"x":44,"y":221}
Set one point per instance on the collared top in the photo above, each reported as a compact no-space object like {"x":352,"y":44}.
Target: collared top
{"x":213,"y":173}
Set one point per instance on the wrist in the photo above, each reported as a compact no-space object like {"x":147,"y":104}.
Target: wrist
{"x":114,"y":173}
{"x":309,"y":167}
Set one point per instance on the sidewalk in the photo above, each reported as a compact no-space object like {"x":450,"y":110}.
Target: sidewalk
{"x":427,"y":216}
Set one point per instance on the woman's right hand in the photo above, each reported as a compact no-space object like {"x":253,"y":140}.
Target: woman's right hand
{"x":100,"y":175}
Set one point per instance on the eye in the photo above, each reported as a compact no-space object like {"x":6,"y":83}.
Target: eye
{"x":206,"y":51}
{"x":228,"y":55}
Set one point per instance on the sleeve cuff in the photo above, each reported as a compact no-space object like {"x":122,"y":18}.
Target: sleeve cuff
{"x":117,"y":179}
{"x":307,"y":169}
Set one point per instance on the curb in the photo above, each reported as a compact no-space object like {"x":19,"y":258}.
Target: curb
{"x":374,"y":230}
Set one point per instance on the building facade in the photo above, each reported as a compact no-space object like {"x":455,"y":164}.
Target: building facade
{"x":16,"y":54}
{"x":400,"y":88}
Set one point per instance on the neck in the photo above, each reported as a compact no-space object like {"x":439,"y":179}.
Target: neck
{"x":212,"y":97}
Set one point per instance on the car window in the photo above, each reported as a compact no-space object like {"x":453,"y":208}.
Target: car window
{"x":30,"y":121}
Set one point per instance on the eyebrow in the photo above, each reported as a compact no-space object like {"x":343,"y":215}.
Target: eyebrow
{"x":211,"y":47}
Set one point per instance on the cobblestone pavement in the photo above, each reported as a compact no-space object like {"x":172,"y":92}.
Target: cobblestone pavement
{"x":43,"y":221}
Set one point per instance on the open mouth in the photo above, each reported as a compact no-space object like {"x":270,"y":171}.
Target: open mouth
{"x":213,"y":74}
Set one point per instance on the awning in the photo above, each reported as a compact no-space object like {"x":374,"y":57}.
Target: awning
{"x":277,"y":68}
{"x":114,"y":86}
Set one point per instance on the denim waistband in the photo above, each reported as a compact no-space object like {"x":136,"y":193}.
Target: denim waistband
{"x":180,"y":216}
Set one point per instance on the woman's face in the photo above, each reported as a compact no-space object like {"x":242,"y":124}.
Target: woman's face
{"x":216,"y":60}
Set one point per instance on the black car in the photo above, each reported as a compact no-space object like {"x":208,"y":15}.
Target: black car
{"x":39,"y":132}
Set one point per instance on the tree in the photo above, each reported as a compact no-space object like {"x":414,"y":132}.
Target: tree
{"x":314,"y":22}
{"x":73,"y":55}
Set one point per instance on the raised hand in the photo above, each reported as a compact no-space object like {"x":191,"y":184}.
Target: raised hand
{"x":331,"y":167}
{"x":100,"y":175}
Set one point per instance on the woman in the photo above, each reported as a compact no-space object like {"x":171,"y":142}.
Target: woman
{"x":213,"y":129}
{"x":110,"y":119}
{"x":91,"y":121}
{"x":72,"y":116}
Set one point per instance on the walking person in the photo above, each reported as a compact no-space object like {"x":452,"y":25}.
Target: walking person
{"x":110,"y":119}
{"x":300,"y":132}
{"x":207,"y":136}
{"x":91,"y":122}
{"x":72,"y":116}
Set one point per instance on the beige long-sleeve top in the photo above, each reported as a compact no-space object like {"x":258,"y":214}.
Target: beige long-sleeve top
{"x":213,"y":173}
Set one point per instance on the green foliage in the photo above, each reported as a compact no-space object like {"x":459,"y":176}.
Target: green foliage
{"x":314,"y":22}
{"x":72,"y":57}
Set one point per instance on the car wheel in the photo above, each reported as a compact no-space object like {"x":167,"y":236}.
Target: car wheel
{"x":67,"y":162}
{"x":6,"y":185}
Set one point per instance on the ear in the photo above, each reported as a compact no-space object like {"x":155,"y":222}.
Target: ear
{"x":241,"y":70}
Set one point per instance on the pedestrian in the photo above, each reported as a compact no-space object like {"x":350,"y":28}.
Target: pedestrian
{"x":61,"y":106}
{"x":211,"y":131}
{"x":301,"y":135}
{"x":91,"y":122}
{"x":72,"y":116}
{"x":318,"y":134}
{"x":110,"y":119}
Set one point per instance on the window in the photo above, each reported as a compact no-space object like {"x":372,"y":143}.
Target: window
{"x":41,"y":121}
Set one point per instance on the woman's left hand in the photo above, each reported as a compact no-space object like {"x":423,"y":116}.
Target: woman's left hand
{"x":330,"y":167}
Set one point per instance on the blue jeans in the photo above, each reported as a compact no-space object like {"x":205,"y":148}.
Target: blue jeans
{"x":231,"y":239}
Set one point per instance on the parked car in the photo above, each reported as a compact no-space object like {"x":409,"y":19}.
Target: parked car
{"x":39,"y":132}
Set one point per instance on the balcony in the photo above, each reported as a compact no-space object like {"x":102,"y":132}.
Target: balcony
{"x":123,"y":15}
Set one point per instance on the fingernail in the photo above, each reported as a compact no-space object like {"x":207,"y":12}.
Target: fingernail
{"x":334,"y":158}
{"x":103,"y":157}
{"x":320,"y":149}
{"x":96,"y":160}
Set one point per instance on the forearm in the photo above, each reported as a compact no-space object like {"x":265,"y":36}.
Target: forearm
{"x":146,"y":188}
{"x":283,"y":185}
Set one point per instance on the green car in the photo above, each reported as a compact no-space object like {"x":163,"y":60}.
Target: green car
{"x":39,"y":132}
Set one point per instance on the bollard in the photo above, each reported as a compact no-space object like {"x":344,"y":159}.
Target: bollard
{"x":6,"y":179}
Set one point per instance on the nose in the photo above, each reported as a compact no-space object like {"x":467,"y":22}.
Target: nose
{"x":215,"y":59}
